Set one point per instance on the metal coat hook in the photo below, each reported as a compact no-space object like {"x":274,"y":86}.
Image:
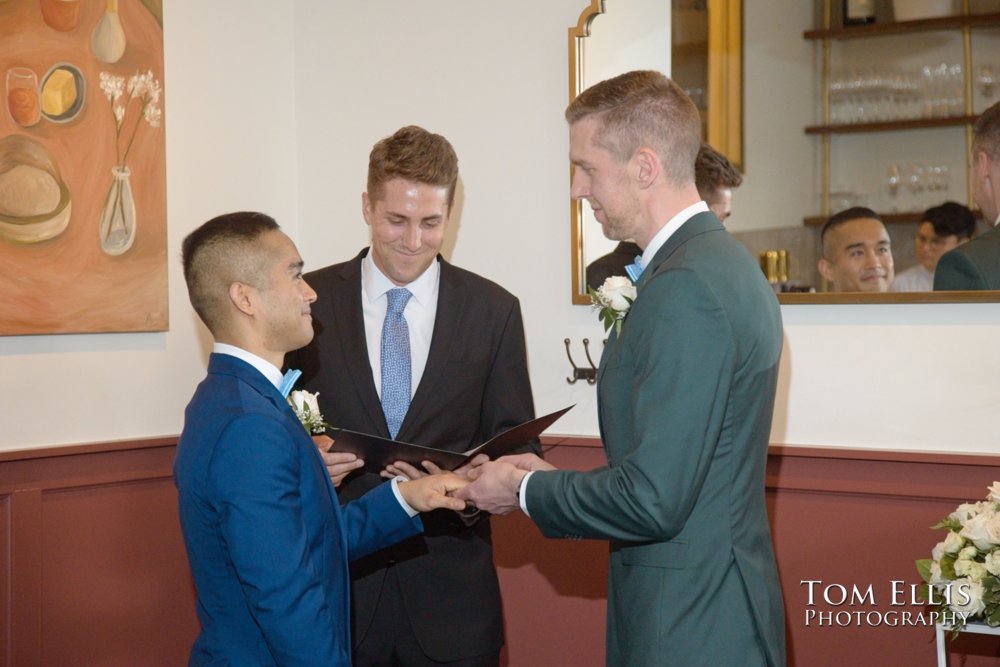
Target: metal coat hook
{"x":588,"y":374}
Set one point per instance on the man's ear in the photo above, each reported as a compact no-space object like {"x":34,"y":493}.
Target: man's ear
{"x":983,"y":167}
{"x":825,"y":269}
{"x":647,"y":165}
{"x":366,"y":208}
{"x":241,"y":297}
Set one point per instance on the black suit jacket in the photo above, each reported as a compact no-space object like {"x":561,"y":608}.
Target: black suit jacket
{"x":474,"y":386}
{"x":612,"y":264}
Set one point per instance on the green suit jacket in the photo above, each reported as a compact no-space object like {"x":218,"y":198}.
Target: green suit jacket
{"x":971,"y":266}
{"x":685,"y":397}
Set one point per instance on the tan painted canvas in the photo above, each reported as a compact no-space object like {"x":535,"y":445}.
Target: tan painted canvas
{"x":83,"y":208}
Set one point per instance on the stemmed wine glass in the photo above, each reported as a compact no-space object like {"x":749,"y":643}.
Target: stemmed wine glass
{"x":893,"y":181}
{"x":986,"y":79}
{"x":915,"y":183}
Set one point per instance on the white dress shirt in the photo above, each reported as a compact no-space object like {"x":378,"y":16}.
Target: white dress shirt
{"x":667,"y":230}
{"x":266,"y":368}
{"x":420,"y":312}
{"x":914,"y":279}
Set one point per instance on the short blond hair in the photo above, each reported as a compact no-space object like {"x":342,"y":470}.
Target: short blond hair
{"x":640,"y":109}
{"x":986,"y":133}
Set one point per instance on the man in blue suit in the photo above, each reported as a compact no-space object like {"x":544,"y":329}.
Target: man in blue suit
{"x":268,"y":543}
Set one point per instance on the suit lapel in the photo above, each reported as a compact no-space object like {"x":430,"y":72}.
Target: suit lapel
{"x":695,"y":225}
{"x":451,"y":301}
{"x":225,"y":364}
{"x":350,"y":327}
{"x":228,"y":365}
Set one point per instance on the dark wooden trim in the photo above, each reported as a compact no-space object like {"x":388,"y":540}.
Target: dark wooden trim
{"x":892,"y":125}
{"x":87,"y":448}
{"x":25,"y":559}
{"x":887,"y":218}
{"x":851,"y":298}
{"x":904,"y":27}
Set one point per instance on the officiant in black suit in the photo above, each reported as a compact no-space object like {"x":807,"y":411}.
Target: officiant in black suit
{"x":411,"y":347}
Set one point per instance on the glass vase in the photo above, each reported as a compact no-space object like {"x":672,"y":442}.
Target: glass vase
{"x":118,"y":215}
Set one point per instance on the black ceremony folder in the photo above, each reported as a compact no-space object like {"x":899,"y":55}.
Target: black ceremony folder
{"x":380,"y":452}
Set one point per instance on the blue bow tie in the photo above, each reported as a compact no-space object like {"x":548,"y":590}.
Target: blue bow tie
{"x":288,"y":381}
{"x":634,"y":270}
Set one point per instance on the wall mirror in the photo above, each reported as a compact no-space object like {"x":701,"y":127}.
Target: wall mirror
{"x":700,"y":42}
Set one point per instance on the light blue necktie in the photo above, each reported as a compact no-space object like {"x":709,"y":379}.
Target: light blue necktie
{"x":395,"y":360}
{"x":634,"y":270}
{"x":288,"y":381}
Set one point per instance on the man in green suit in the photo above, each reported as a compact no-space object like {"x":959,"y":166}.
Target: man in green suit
{"x":685,"y":396}
{"x":976,"y":264}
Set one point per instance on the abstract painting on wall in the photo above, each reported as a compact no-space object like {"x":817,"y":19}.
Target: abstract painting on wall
{"x":83,"y":205}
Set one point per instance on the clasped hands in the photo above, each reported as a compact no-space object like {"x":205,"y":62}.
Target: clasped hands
{"x":481,"y":484}
{"x":490,"y":486}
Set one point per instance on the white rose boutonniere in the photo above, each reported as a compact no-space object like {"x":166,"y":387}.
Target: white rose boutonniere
{"x":306,"y":407}
{"x":613,"y":299}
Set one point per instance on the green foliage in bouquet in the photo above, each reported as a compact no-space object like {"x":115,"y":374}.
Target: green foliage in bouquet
{"x":963,"y":572}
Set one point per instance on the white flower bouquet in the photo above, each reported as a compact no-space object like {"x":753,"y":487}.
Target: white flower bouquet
{"x":145,"y":91}
{"x":963,"y":572}
{"x":306,"y":407}
{"x":613,"y":299}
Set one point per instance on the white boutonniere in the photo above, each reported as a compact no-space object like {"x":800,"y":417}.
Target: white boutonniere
{"x":306,"y":407}
{"x":613,"y":300}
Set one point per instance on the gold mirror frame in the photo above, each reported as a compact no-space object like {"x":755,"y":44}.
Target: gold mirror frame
{"x":725,"y":132}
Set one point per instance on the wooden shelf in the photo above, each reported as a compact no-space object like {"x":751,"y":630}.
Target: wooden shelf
{"x":892,"y":125}
{"x":887,"y":218}
{"x":904,"y":27}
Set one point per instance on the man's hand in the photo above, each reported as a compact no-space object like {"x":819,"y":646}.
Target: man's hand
{"x":409,"y":471}
{"x":495,"y":487}
{"x":404,"y":469}
{"x":529,"y":462}
{"x":338,"y":464}
{"x":468,"y":471}
{"x":432,"y":492}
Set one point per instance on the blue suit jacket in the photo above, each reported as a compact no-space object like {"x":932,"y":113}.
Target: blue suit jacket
{"x":268,"y":543}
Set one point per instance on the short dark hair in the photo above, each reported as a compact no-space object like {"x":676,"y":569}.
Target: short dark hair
{"x":219,"y":253}
{"x":951,"y":219}
{"x":713,"y":171}
{"x":414,"y":154}
{"x":848,"y":214}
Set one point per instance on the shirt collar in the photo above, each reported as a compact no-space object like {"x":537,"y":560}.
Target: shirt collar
{"x":667,"y":230}
{"x":375,"y":283}
{"x":267,"y":369}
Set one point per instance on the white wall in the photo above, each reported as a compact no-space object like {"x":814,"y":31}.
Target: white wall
{"x":277,"y":111}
